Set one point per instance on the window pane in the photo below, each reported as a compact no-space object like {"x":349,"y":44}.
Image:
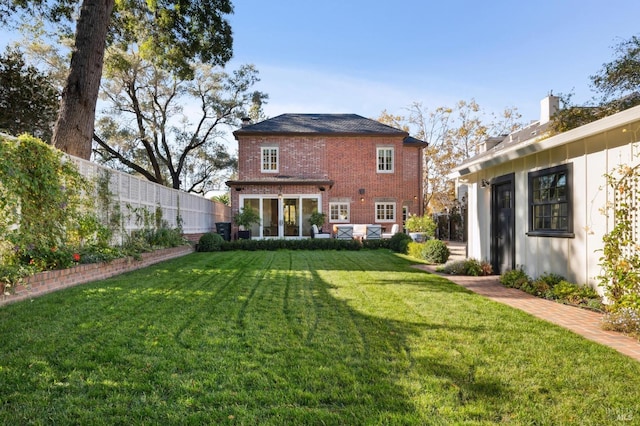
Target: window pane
{"x":269,"y":159}
{"x":339,"y":212}
{"x":385,"y":159}
{"x":549,"y":200}
{"x":385,"y":212}
{"x":333,"y":212}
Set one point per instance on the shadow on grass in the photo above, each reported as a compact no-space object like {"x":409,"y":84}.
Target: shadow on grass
{"x":259,"y":337}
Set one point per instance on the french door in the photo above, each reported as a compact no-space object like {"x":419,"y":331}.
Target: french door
{"x":283,"y":217}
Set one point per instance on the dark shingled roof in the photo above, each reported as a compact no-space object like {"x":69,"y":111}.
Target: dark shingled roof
{"x":349,"y":124}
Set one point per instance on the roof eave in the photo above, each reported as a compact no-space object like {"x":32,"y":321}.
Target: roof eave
{"x":331,"y":134}
{"x":280,"y":181}
{"x":411,"y":141}
{"x":535,"y":145}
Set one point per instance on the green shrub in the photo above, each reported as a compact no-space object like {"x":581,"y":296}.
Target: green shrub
{"x":283,"y":244}
{"x":435,"y":251}
{"x":588,"y":292}
{"x":400,"y":242}
{"x":554,"y":287}
{"x":424,"y":224}
{"x":415,"y":250}
{"x":535,"y":288}
{"x":543,"y":285}
{"x":10,"y":275}
{"x":99,"y":254}
{"x":515,"y":278}
{"x":472,"y":267}
{"x":376,"y":244}
{"x":575,"y":294}
{"x":210,"y":242}
{"x":564,"y":290}
{"x":551,"y":279}
{"x":166,"y":237}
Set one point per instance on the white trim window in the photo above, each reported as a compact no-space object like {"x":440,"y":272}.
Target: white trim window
{"x":339,"y":212}
{"x":385,"y":159}
{"x":270,"y":159}
{"x":385,"y":212}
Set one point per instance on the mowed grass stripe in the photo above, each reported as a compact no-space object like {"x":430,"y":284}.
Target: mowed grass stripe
{"x":298,"y":337}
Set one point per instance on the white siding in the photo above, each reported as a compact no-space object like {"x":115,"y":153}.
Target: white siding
{"x":592,"y":156}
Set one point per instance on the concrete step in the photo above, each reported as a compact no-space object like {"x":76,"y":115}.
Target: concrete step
{"x":458,"y":250}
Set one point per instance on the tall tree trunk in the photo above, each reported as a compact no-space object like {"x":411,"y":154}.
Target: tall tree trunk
{"x":74,"y":128}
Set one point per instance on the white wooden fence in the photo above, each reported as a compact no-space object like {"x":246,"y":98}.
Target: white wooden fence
{"x":197,"y":214}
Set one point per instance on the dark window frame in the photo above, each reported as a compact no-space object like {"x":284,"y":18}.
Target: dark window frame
{"x":558,"y":232}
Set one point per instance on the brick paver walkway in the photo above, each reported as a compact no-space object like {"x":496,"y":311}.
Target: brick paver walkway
{"x":580,"y":321}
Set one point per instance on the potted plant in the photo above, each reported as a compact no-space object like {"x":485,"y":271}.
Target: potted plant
{"x":420,"y":228}
{"x":246,"y":217}
{"x":317,"y":219}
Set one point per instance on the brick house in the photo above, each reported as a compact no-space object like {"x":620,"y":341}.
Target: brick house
{"x":353,"y":169}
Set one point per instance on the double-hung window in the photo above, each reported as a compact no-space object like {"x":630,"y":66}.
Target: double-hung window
{"x":550,"y":212}
{"x":339,"y":212}
{"x":385,"y":212}
{"x":270,"y":160}
{"x":385,"y":159}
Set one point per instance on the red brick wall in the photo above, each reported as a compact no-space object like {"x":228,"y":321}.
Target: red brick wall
{"x":302,"y":157}
{"x":47,"y":282}
{"x":349,"y":161}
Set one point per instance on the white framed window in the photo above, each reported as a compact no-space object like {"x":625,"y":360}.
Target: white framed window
{"x":385,"y":212}
{"x":339,"y":212}
{"x":270,"y":159}
{"x":385,"y":160}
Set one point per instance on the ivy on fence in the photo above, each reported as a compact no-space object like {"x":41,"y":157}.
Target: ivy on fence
{"x":51,"y":217}
{"x":620,"y":260}
{"x":42,"y":207}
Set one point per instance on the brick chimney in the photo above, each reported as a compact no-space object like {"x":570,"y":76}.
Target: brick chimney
{"x":246,"y":121}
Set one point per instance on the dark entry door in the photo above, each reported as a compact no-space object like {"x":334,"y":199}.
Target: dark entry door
{"x":503,"y":224}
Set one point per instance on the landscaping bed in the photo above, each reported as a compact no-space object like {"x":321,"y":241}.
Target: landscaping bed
{"x":48,"y":281}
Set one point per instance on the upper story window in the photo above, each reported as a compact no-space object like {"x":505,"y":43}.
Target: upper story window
{"x":339,"y":212}
{"x":385,"y":160}
{"x":270,"y":160}
{"x":550,"y":212}
{"x":385,"y":212}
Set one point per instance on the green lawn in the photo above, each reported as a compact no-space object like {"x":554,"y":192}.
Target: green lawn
{"x":298,"y":337}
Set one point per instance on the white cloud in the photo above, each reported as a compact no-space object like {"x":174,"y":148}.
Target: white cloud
{"x":304,"y":90}
{"x":300,"y":90}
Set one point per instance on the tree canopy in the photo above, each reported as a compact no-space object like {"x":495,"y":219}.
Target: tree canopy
{"x":170,"y":33}
{"x":454,"y":134}
{"x":617,"y":87}
{"x":28,"y":101}
{"x":168,"y":128}
{"x":621,"y":76}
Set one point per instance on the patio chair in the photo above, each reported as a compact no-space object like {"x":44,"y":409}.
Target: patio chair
{"x":344,"y":232}
{"x":394,"y":230}
{"x":315,"y":233}
{"x":374,"y":232}
{"x":359,"y":231}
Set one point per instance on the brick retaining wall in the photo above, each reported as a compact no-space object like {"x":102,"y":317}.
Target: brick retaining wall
{"x":49,"y":281}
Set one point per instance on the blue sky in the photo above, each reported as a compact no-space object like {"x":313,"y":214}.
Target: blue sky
{"x":367,"y":56}
{"x":363,"y":57}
